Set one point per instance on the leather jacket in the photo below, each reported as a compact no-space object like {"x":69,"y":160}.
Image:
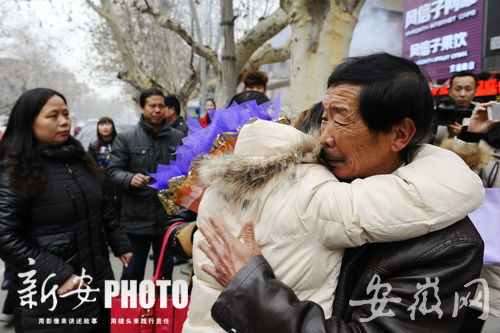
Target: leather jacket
{"x":254,"y":301}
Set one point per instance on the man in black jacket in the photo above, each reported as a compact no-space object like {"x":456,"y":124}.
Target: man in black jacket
{"x":135,"y":153}
{"x":418,"y":285}
{"x":173,"y":114}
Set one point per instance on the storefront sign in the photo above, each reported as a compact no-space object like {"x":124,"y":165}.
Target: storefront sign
{"x":443,"y":36}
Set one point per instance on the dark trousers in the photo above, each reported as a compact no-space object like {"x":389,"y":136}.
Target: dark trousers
{"x":141,"y":245}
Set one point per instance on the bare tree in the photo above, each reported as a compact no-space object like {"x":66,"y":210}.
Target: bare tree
{"x":321,"y":36}
{"x":22,"y":68}
{"x":229,"y":50}
{"x":150,"y":57}
{"x":245,"y":47}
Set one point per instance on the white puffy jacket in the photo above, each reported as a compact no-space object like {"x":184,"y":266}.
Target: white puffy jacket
{"x":304,"y":217}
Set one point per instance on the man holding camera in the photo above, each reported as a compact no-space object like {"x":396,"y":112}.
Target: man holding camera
{"x":462,"y":92}
{"x":479,"y":145}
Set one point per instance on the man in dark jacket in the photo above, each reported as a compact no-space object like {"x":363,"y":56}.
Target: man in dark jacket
{"x":418,"y":285}
{"x":173,"y":114}
{"x":135,"y":153}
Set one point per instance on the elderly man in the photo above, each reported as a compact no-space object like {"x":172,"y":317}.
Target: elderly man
{"x":409,"y":286}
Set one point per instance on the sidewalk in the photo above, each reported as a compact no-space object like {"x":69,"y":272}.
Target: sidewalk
{"x":180,"y":272}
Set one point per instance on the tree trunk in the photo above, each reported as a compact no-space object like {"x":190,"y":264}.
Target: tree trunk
{"x":228,"y":53}
{"x":203,"y":63}
{"x":321,"y":36}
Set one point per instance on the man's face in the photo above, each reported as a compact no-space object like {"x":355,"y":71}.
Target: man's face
{"x":463,"y":91}
{"x":154,"y":111}
{"x":170,"y":114}
{"x":350,"y":149}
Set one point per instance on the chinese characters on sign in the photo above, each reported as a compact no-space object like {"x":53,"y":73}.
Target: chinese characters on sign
{"x":443,"y":36}
{"x":26,"y":294}
{"x":426,"y":299}
{"x":445,"y":43}
{"x":423,"y":13}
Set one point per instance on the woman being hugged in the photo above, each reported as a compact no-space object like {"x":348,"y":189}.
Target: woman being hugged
{"x":54,"y":220}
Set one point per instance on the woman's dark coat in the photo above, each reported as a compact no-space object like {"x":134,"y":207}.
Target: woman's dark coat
{"x":63,"y":228}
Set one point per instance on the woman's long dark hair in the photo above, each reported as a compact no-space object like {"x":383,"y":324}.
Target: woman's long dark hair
{"x":100,"y":141}
{"x":18,"y":146}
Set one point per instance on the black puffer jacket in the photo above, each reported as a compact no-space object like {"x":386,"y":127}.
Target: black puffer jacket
{"x":140,"y":150}
{"x":62,"y":227}
{"x":180,"y":125}
{"x":254,"y":301}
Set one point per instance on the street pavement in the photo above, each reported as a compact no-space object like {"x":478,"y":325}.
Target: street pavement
{"x":180,"y":272}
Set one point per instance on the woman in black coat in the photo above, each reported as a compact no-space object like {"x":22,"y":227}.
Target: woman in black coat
{"x":54,"y":220}
{"x":100,"y":150}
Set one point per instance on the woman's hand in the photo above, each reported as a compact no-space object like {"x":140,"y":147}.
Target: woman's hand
{"x":69,"y":285}
{"x":229,"y":255}
{"x":125,"y":258}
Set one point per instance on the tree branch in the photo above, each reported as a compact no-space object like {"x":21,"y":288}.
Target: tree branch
{"x":134,"y":73}
{"x":258,"y":35}
{"x":266,"y":54}
{"x":164,"y":21}
{"x":210,"y":85}
{"x":350,"y":5}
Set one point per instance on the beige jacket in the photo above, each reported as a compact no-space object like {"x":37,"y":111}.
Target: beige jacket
{"x":304,"y":217}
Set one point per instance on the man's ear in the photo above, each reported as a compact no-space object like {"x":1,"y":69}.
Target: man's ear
{"x":403,"y":133}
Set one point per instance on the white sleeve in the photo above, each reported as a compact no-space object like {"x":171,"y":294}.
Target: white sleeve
{"x":430,"y":193}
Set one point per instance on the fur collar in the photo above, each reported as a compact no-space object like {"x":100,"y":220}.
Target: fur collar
{"x":241,"y":178}
{"x":475,"y":156}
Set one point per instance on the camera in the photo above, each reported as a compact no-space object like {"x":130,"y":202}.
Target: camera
{"x":447,"y":113}
{"x":494,"y":111}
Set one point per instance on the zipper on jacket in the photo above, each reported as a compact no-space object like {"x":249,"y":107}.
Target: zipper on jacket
{"x":72,"y":197}
{"x":86,"y":204}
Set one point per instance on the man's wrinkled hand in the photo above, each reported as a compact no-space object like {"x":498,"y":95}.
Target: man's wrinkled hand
{"x":139,"y":180}
{"x":227,"y":254}
{"x":479,"y":122}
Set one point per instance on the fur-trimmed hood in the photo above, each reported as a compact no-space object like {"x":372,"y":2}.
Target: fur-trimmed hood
{"x":264,"y":151}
